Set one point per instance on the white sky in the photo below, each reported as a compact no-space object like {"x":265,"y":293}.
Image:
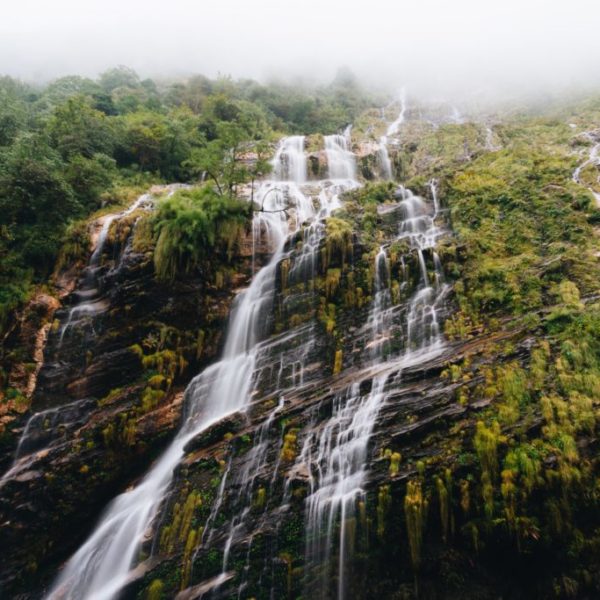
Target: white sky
{"x":439,"y":42}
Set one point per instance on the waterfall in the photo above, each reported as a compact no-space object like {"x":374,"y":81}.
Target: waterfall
{"x":47,"y":428}
{"x":348,"y":134}
{"x":101,"y":567}
{"x":289,"y":163}
{"x":379,"y":315}
{"x":489,"y":140}
{"x":395,"y":125}
{"x":303,"y":270}
{"x":90,"y":300}
{"x":44,"y":429}
{"x":592,"y":159}
{"x":336,"y":452}
{"x":340,"y":160}
{"x":384,"y":157}
{"x":95,"y":258}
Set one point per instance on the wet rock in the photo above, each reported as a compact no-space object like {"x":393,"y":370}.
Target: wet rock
{"x":216,"y":433}
{"x":52,"y":497}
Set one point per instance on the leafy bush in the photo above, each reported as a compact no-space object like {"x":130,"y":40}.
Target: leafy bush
{"x":193,"y":226}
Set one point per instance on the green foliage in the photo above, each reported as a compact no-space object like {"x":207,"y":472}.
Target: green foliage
{"x":395,"y":458}
{"x":223,"y":156}
{"x":486,"y":443}
{"x":66,"y":147}
{"x":155,"y":590}
{"x":77,"y":129}
{"x":444,"y":491}
{"x":415,"y":511}
{"x":338,"y":361}
{"x":513,"y":385}
{"x":191,"y":226}
{"x":289,"y":448}
{"x":384,"y":500}
{"x":512,"y":211}
{"x":35,"y":203}
{"x":119,"y":77}
{"x":311,"y":110}
{"x":338,"y":243}
{"x":156,"y":142}
{"x":13,"y":111}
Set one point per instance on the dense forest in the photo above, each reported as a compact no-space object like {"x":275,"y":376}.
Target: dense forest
{"x":77,"y":145}
{"x":316,"y":341}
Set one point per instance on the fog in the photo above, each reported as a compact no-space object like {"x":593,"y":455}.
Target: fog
{"x":452,"y":45}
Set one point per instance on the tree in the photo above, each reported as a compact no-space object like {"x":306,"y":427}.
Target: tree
{"x":90,"y":177}
{"x":120,"y":76}
{"x":142,"y":138}
{"x":32,"y":186}
{"x":76,"y":128}
{"x":12,"y":117}
{"x":35,"y":200}
{"x":237,"y":152}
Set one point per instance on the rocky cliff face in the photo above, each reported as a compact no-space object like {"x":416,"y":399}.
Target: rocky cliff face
{"x":108,"y":395}
{"x":422,"y":420}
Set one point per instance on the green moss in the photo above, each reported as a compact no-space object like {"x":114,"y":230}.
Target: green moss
{"x":192,"y":226}
{"x":155,"y":590}
{"x":513,"y":385}
{"x":332,"y":282}
{"x":338,"y":242}
{"x":261,"y":497}
{"x":111,"y":397}
{"x":395,"y":458}
{"x":151,"y":399}
{"x":338,"y":361}
{"x":415,"y":510}
{"x":289,"y":448}
{"x":76,"y":248}
{"x":384,"y":501}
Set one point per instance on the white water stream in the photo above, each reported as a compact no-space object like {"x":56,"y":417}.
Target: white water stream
{"x":340,"y":160}
{"x":90,"y":300}
{"x":102,"y":565}
{"x":336,"y":452}
{"x":592,"y":159}
{"x":341,"y":173}
{"x":384,"y":157}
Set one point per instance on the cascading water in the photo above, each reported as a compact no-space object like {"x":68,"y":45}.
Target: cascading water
{"x":392,"y":130}
{"x":89,"y":296}
{"x":378,"y":320}
{"x":593,"y":159}
{"x":340,"y":160}
{"x":44,"y":429}
{"x":420,"y":229}
{"x":101,"y":566}
{"x":341,"y":167}
{"x":48,"y":427}
{"x":336,"y":452}
{"x":384,"y":158}
{"x":489,"y":140}
{"x":289,"y":163}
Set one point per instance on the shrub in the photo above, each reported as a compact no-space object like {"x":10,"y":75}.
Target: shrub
{"x":191,"y":226}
